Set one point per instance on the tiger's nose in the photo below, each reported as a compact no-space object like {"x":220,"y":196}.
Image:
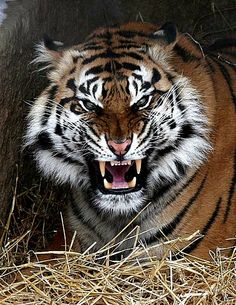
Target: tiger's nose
{"x":119,"y":147}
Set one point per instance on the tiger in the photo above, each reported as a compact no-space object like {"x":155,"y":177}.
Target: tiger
{"x":139,"y":121}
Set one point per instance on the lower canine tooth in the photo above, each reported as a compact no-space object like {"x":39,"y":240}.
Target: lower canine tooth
{"x":102,"y":167}
{"x":132,"y":183}
{"x":107,"y":185}
{"x":138,"y":165}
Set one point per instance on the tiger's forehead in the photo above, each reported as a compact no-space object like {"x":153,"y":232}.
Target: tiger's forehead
{"x":116,"y":60}
{"x":97,"y":88}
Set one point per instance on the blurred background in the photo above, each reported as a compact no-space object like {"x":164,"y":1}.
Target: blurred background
{"x":30,"y":205}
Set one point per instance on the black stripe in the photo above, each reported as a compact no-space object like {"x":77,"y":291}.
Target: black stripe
{"x":128,"y":41}
{"x":86,"y":223}
{"x":184,"y":54}
{"x":163,"y":152}
{"x":162,"y":190}
{"x":44,"y":141}
{"x":91,"y":81}
{"x":172,"y":124}
{"x":95,"y":70}
{"x":132,"y":34}
{"x":108,"y":79}
{"x":117,"y":66}
{"x":231,"y":191}
{"x":179,"y":100}
{"x":156,"y":76}
{"x":65,"y":101}
{"x":227,"y":77}
{"x":72,"y":70}
{"x":133,"y":55}
{"x":129,"y":66}
{"x":83,"y":90}
{"x":109,"y":54}
{"x":147,"y":137}
{"x":109,"y":67}
{"x":127,"y":46}
{"x":49,"y":104}
{"x":95,"y":87}
{"x":92,"y":140}
{"x":93,"y":47}
{"x":186,"y":131}
{"x":75,"y":58}
{"x":135,"y":87}
{"x":104,"y":91}
{"x":207,"y":227}
{"x":107,"y":36}
{"x":58,"y":130}
{"x":170,"y":227}
{"x":127,"y":88}
{"x":211,"y":67}
{"x":180,"y":167}
{"x":71,"y":84}
{"x":145,"y":86}
{"x":139,"y":77}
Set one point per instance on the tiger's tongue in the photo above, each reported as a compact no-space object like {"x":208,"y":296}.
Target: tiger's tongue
{"x":118,"y":174}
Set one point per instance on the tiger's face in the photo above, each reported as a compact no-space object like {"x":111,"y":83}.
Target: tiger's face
{"x":111,"y":121}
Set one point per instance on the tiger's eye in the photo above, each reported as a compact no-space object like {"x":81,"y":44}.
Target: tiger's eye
{"x":141,"y":104}
{"x":89,"y":105}
{"x":143,"y":101}
{"x":76,"y":108}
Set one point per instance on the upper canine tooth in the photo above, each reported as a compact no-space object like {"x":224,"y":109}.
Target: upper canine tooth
{"x":138,"y":165}
{"x":132,"y":183}
{"x":107,"y":184}
{"x":102,"y":167}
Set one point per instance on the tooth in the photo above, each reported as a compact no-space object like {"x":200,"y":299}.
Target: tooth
{"x":107,"y":185}
{"x":129,"y":162}
{"x":112,"y":163}
{"x":138,"y":165}
{"x":132,"y":183}
{"x":102,"y":167}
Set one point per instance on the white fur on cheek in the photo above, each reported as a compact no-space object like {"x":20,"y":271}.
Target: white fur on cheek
{"x":61,"y":171}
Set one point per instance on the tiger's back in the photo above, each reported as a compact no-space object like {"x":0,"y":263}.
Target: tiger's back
{"x":140,"y":120}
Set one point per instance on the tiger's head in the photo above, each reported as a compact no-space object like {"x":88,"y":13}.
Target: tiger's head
{"x":118,"y":121}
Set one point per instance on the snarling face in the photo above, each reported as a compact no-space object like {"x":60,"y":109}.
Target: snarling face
{"x":117,"y":121}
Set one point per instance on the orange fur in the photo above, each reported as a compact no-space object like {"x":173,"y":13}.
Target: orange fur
{"x":215,"y":208}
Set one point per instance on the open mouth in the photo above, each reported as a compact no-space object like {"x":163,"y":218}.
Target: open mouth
{"x":114,"y":177}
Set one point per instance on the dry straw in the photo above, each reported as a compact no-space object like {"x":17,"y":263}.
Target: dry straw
{"x":83,"y":278}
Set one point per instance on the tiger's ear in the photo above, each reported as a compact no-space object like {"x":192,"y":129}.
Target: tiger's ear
{"x":166,"y":35}
{"x":48,"y":52}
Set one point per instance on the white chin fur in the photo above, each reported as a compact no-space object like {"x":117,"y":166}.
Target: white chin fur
{"x":119,"y":204}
